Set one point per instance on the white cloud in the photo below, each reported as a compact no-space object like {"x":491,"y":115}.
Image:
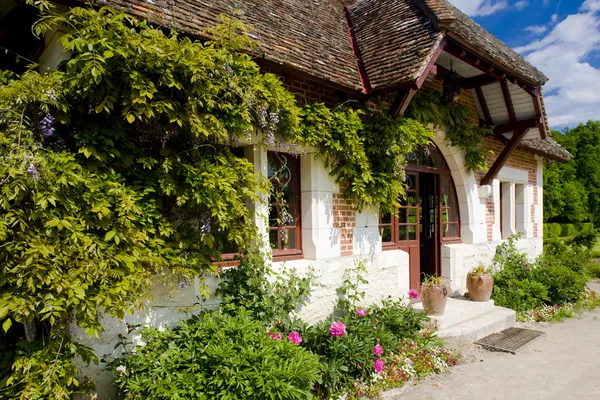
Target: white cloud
{"x":554,"y":18}
{"x":519,"y":5}
{"x":573,"y":91}
{"x":480,"y":7}
{"x":537,"y":29}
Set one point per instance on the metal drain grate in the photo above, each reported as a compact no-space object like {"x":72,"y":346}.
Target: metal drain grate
{"x":510,"y":340}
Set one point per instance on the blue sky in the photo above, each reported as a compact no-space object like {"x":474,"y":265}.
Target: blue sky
{"x":561,"y":38}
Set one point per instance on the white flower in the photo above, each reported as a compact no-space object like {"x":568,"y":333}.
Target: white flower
{"x":122,"y":370}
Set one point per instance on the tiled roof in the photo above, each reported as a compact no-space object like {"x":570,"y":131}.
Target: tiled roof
{"x":546,"y":148}
{"x":309,"y":35}
{"x":472,"y":35}
{"x":395,"y":40}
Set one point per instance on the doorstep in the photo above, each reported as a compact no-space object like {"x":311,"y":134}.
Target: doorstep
{"x":471,"y":320}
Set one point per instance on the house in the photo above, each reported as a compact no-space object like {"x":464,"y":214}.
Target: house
{"x":380,"y":52}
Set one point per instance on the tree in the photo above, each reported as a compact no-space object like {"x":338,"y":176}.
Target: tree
{"x":572,"y":189}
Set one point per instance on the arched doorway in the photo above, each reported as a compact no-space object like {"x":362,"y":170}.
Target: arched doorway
{"x":427,"y":217}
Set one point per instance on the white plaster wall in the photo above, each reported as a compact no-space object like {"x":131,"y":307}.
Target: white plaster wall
{"x":459,"y":259}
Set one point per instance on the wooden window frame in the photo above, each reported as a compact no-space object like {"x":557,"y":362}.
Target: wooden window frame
{"x":295,"y":253}
{"x":395,"y":223}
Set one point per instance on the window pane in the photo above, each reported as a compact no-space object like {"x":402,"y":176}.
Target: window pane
{"x":288,"y":238}
{"x":402,"y":215}
{"x":411,"y":199}
{"x":412,"y":232}
{"x":273,"y":216}
{"x":273,"y":238}
{"x":411,"y":181}
{"x":386,"y":218}
{"x":403,"y":233}
{"x":450,"y":230}
{"x":412,"y":215}
{"x":386,"y":234}
{"x":453,"y":215}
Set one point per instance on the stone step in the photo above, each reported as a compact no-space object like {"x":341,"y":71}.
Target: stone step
{"x":497,"y":320}
{"x":458,"y":310}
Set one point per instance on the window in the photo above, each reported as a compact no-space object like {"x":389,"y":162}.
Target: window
{"x":285,"y":235}
{"x":403,"y":227}
{"x":449,"y":207}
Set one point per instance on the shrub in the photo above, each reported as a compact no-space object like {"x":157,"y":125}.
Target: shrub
{"x":253,"y":286}
{"x":568,"y":230}
{"x":215,"y":355}
{"x":593,"y":270}
{"x":555,"y":278}
{"x":586,"y":237}
{"x":563,"y":284}
{"x":552,"y":230}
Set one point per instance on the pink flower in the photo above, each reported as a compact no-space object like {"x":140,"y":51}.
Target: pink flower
{"x":379,"y":365}
{"x":276,"y":336}
{"x":378,"y":349}
{"x":295,"y":338}
{"x":361,"y":312}
{"x":413,"y":294}
{"x":337,"y":329}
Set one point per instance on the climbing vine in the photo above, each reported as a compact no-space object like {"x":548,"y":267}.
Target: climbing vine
{"x":117,"y":168}
{"x":433,"y":108}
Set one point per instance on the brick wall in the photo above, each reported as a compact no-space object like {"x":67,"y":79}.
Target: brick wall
{"x":344,"y":218}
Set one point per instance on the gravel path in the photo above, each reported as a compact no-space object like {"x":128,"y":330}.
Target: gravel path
{"x":563,"y":364}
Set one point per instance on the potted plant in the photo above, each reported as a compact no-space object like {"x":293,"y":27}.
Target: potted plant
{"x":433,"y":295}
{"x":480,"y":283}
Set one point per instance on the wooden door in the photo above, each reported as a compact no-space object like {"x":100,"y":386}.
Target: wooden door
{"x":408,"y":228}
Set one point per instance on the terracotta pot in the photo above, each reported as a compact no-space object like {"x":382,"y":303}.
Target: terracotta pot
{"x":480,"y":286}
{"x":434,"y":299}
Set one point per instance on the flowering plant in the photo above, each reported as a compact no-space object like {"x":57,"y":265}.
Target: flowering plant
{"x":337,"y":329}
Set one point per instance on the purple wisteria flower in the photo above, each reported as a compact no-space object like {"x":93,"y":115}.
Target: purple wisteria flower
{"x":32,"y":170}
{"x":47,"y":125}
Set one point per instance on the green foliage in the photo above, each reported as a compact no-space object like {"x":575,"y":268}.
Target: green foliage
{"x":552,"y":230}
{"x":41,"y":371}
{"x":348,"y":360}
{"x":268,"y":296}
{"x":563,"y":284}
{"x":365,"y":151}
{"x":433,"y":108}
{"x":555,"y":278}
{"x":215,"y":355}
{"x":571,"y":189}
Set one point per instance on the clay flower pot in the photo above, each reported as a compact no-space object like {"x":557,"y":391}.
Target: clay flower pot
{"x":433,"y":298}
{"x":480,"y":286}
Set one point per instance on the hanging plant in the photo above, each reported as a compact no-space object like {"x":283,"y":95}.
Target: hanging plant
{"x":456,"y":120}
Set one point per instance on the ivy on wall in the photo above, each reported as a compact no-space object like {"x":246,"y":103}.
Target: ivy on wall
{"x":432,"y":108}
{"x":117,"y":168}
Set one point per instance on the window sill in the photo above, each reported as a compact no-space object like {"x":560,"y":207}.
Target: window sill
{"x":288,"y":256}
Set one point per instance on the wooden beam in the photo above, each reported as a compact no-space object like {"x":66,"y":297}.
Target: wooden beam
{"x":539,"y":111}
{"x":517,"y":126}
{"x":431,"y":64}
{"x":508,"y":101}
{"x":484,"y":107}
{"x":402,"y":101}
{"x":473,"y":60}
{"x":405,"y":95}
{"x":503,"y":157}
